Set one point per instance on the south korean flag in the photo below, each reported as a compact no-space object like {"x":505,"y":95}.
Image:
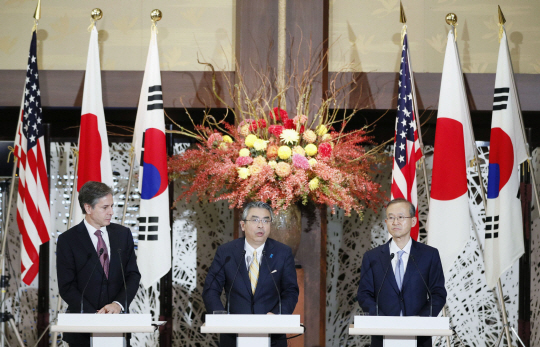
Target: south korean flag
{"x":154,"y":249}
{"x":504,"y":228}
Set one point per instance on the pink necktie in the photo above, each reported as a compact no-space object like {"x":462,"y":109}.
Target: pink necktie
{"x":104,"y":259}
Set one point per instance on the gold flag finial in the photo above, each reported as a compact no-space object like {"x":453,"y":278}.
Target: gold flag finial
{"x":96,"y":14}
{"x":156,"y":15}
{"x":502,"y":20}
{"x":37,"y":13}
{"x":451,"y":19}
{"x":402,"y":18}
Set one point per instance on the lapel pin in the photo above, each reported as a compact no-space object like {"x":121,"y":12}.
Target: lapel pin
{"x":273,"y":271}
{"x":271,"y":255}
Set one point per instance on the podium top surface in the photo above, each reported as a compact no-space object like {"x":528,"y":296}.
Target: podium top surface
{"x":400,"y":326}
{"x":252,"y":324}
{"x":103,"y":323}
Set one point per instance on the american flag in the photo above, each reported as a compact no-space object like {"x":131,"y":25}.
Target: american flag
{"x":406,"y":145}
{"x":33,"y":207}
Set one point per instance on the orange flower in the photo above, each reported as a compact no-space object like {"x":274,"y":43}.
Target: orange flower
{"x":271,"y":152}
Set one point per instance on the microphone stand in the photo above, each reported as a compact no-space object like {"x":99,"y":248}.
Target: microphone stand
{"x":273,"y":280}
{"x":384,"y":278}
{"x":234,"y":279}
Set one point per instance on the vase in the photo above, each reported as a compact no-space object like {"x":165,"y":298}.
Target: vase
{"x":287,"y":227}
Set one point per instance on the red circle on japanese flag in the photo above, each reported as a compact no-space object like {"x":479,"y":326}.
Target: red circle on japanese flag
{"x":449,"y":176}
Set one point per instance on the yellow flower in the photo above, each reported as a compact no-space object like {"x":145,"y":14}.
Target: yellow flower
{"x":289,"y":136}
{"x":260,"y":161}
{"x":244,"y":130}
{"x":254,"y":169}
{"x":284,"y":152}
{"x":223,"y":146}
{"x":243,"y":172}
{"x":299,"y":150}
{"x":250,"y":140}
{"x":327,"y":137}
{"x":312,"y":162}
{"x":244,"y":152}
{"x":283,"y":169}
{"x":227,"y":139}
{"x":321,"y":130}
{"x":311,"y":150}
{"x":260,"y":144}
{"x":309,"y":136}
{"x":272,"y":164}
{"x":314,"y":184}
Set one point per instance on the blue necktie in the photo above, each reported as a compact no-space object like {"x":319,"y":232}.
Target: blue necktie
{"x":399,"y":270}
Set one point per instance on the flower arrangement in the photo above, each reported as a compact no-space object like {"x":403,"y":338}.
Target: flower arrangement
{"x":273,"y":156}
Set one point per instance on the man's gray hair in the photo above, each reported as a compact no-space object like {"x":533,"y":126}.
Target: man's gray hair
{"x":257,"y":204}
{"x":91,"y":192}
{"x":412,"y":210}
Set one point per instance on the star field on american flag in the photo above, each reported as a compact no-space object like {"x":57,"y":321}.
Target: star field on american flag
{"x":32,"y":126}
{"x":405,"y":122}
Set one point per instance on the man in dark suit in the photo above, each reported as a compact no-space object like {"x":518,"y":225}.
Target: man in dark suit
{"x":402,"y":292}
{"x":257,"y":259}
{"x":89,"y":256}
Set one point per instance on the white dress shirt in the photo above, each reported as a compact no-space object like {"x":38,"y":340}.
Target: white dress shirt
{"x":94,"y":238}
{"x":249,"y":253}
{"x":404,"y":258}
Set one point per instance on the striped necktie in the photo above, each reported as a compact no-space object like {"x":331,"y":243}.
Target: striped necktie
{"x":254,"y":272}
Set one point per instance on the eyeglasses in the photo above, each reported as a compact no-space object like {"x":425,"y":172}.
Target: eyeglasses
{"x":400,"y":219}
{"x":257,"y":221}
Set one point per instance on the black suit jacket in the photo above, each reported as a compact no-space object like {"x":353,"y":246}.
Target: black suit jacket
{"x":75,"y":259}
{"x":412,"y":300}
{"x":228,"y":258}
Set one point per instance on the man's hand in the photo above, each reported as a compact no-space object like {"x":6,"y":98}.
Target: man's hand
{"x":110,"y":308}
{"x":269,"y":313}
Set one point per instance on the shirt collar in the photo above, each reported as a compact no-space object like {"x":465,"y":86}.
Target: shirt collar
{"x":91,"y":229}
{"x":249,"y":250}
{"x":394,"y":247}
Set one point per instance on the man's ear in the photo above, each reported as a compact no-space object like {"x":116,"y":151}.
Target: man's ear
{"x":242,"y":225}
{"x":87,"y":208}
{"x":413,"y":221}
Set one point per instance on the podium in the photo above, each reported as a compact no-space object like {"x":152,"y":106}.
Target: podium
{"x":400,"y":331}
{"x":253,"y":329}
{"x":107,"y":329}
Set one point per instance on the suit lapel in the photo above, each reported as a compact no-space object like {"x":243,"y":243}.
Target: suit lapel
{"x":386,"y":262}
{"x":87,"y":244}
{"x":241,"y":260}
{"x":114,"y":257}
{"x":409,"y":270}
{"x":263,"y":266}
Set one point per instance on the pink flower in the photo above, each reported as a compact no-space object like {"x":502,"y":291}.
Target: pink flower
{"x":283,"y":169}
{"x":279,"y":115}
{"x":300,"y":118}
{"x":242,"y":123}
{"x":275,"y":130}
{"x":300,"y":162}
{"x":214,"y":139}
{"x":325,"y":150}
{"x":242,"y":161}
{"x":253,"y":126}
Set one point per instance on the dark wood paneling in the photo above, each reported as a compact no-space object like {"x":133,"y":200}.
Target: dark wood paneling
{"x":61,"y":88}
{"x":375,"y":90}
{"x":378,"y":90}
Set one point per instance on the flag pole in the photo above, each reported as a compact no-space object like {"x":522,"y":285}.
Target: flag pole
{"x":451,"y":19}
{"x":132,"y":161}
{"x":403,"y":20}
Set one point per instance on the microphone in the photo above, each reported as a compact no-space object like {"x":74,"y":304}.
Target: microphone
{"x":234,"y":278}
{"x":273,"y":280}
{"x":385,"y":273}
{"x":89,"y":278}
{"x":126,"y":309}
{"x":425,"y":284}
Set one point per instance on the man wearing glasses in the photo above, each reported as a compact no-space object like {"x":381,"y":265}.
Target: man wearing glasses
{"x":247,"y":268}
{"x":414,"y":267}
